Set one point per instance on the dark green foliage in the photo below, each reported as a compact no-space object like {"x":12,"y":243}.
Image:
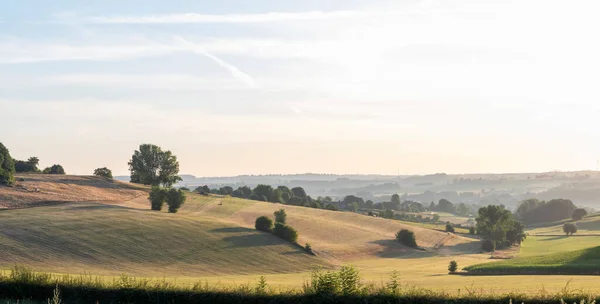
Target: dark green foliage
{"x":186,"y":189}
{"x":299,"y":192}
{"x":407,"y":238}
{"x":395,"y":199}
{"x":55,"y":169}
{"x":227,"y":190}
{"x":280,"y":216}
{"x":157,"y":198}
{"x":205,"y":190}
{"x":388,"y":214}
{"x":350,"y":199}
{"x":515,"y":233}
{"x":569,"y":228}
{"x":488,"y":245}
{"x":104,"y":172}
{"x":445,"y":205}
{"x":175,"y":199}
{"x":331,"y":207}
{"x":453,"y":266}
{"x":29,"y":166}
{"x":262,"y":193}
{"x":150,"y":165}
{"x":449,"y":228}
{"x":7,"y":167}
{"x":578,"y":214}
{"x":526,"y":206}
{"x":263,"y":223}
{"x":472,"y":230}
{"x":495,"y":223}
{"x":436,"y":218}
{"x":552,"y":211}
{"x":285,"y":232}
{"x":308,"y":248}
{"x":344,"y":282}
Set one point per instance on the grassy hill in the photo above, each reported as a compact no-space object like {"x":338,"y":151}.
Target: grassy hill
{"x":585,"y":261}
{"x":111,"y":239}
{"x":589,"y":225}
{"x":42,"y":189}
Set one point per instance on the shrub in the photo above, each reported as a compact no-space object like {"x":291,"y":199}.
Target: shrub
{"x":344,"y":282}
{"x":449,"y":228}
{"x":488,"y":245}
{"x":7,"y":167}
{"x":157,"y":198}
{"x":579,"y":214}
{"x":407,"y":238}
{"x":453,"y":266}
{"x":472,"y":230}
{"x":285,"y":232}
{"x":104,"y":172}
{"x":263,"y":223}
{"x":280,"y":216}
{"x":55,"y":169}
{"x":308,"y":248}
{"x":175,"y":199}
{"x":569,"y":228}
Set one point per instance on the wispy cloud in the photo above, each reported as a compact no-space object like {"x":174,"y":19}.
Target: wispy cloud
{"x":237,"y":18}
{"x":235,"y":72}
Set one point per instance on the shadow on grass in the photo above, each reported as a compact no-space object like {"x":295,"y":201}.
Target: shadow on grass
{"x":257,"y":239}
{"x":232,"y":230}
{"x":554,"y":238}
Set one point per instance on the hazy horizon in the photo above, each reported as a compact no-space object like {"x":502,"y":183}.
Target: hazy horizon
{"x":282,"y":87}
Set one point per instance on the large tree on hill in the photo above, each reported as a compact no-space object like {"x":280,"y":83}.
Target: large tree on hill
{"x":150,"y":165}
{"x":7,"y":167}
{"x":526,"y":206}
{"x":551,"y":211}
{"x":494,"y":223}
{"x":55,"y":169}
{"x":104,"y":172}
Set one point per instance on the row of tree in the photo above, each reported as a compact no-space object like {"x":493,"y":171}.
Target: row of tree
{"x":536,"y":211}
{"x":174,"y":198}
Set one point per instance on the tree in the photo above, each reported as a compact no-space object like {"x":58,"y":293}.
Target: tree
{"x":389,"y":214}
{"x":552,"y":211}
{"x":331,"y":207}
{"x":472,"y":230}
{"x":395,"y":199}
{"x":202,"y":190}
{"x":285,"y":232}
{"x":175,"y":199}
{"x":578,"y":214}
{"x":349,"y":199}
{"x":262,"y":193}
{"x":463,"y":210}
{"x":445,"y":205}
{"x":515,"y":233}
{"x":263,"y":223}
{"x":569,"y":228}
{"x":157,"y":198}
{"x":31,"y":165}
{"x":299,"y":192}
{"x":526,"y":206}
{"x":104,"y":172}
{"x":280,"y":216}
{"x":7,"y":167}
{"x":150,"y":165}
{"x":407,"y":238}
{"x":488,"y":245}
{"x":436,"y":218}
{"x":453,"y":266}
{"x":55,"y":169}
{"x":227,"y":190}
{"x":449,"y":227}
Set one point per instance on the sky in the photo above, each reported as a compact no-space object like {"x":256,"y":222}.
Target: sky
{"x":284,"y":86}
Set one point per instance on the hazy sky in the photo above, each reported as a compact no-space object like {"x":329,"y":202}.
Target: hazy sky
{"x":272,"y":86}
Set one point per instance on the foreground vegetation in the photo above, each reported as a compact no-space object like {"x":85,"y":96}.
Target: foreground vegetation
{"x":342,"y":286}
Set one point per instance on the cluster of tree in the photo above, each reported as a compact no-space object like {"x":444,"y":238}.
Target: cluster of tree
{"x":497,"y":227}
{"x":55,"y":169}
{"x":29,"y":166}
{"x":103,"y":172}
{"x":174,"y":198}
{"x":7,"y":167}
{"x":396,"y":204}
{"x":536,"y":211}
{"x":578,"y":214}
{"x":445,"y":205}
{"x":280,"y":229}
{"x":569,"y":228}
{"x":150,"y":165}
{"x":407,"y":238}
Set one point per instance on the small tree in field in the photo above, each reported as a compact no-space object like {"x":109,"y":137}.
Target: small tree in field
{"x":175,"y":199}
{"x":407,"y":238}
{"x":280,"y":216}
{"x":285,"y":232}
{"x":264,"y":223}
{"x":488,"y":245}
{"x":569,"y":229}
{"x":104,"y":172}
{"x":157,"y":198}
{"x":453,"y":266}
{"x":55,"y":169}
{"x":449,"y":228}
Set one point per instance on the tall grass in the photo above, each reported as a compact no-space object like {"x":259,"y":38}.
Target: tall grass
{"x":342,"y":286}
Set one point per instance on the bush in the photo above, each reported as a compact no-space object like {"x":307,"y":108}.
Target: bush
{"x":104,"y":172}
{"x":344,"y":282}
{"x":280,"y":216}
{"x":55,"y":169}
{"x":175,"y":199}
{"x":407,"y":238}
{"x":157,"y":198}
{"x":472,"y":230}
{"x":7,"y":167}
{"x":308,"y":248}
{"x":453,"y":266}
{"x":569,"y":228}
{"x":488,"y":245}
{"x":285,"y":232}
{"x":449,"y":228}
{"x":579,"y":214}
{"x":263,"y":223}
